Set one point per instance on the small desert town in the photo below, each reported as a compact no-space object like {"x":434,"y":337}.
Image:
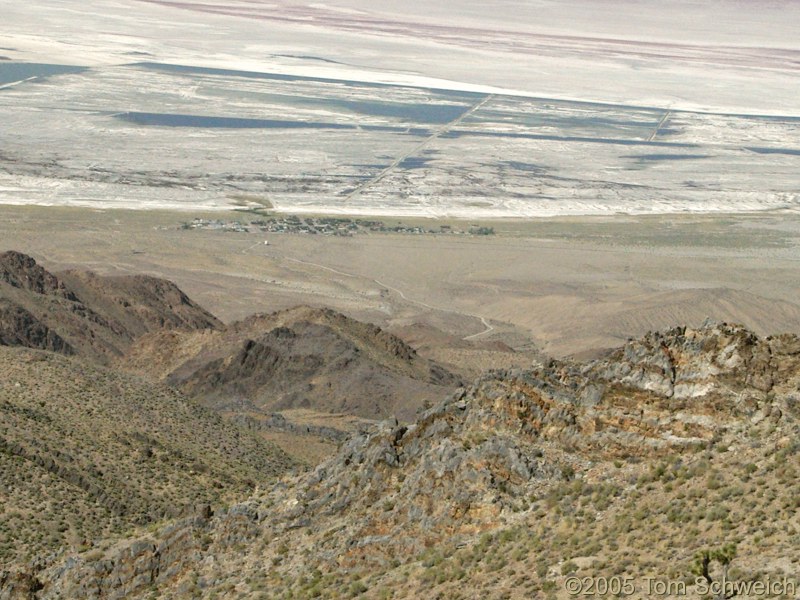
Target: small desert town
{"x":341,"y":226}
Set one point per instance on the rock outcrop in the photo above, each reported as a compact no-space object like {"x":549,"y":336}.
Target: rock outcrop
{"x":685,"y":363}
{"x":18,"y":327}
{"x":21,"y":271}
{"x":474,"y":463}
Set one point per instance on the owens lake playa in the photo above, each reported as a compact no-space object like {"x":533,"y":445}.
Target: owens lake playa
{"x":312,"y":109}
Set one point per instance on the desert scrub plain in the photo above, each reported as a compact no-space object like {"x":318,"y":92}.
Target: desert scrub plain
{"x":87,"y":452}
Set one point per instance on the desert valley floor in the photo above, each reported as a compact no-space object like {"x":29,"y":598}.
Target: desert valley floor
{"x":569,"y":286}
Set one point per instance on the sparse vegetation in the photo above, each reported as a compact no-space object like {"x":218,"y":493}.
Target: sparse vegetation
{"x":504,"y":490}
{"x":86,"y":453}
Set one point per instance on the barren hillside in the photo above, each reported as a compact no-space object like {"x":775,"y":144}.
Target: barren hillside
{"x":83,"y":313}
{"x":298,"y":358}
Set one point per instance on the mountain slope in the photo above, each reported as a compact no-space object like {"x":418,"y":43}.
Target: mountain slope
{"x":628,"y":466}
{"x":299,"y":358}
{"x":83,"y":313}
{"x":86,"y":452}
{"x":18,"y":327}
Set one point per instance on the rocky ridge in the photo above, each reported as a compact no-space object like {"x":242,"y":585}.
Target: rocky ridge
{"x":21,"y":271}
{"x":298,"y":358}
{"x":485,"y":461}
{"x":86,"y":314}
{"x":18,"y":327}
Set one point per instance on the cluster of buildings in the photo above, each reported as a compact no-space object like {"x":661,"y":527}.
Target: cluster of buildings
{"x":339,"y":226}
